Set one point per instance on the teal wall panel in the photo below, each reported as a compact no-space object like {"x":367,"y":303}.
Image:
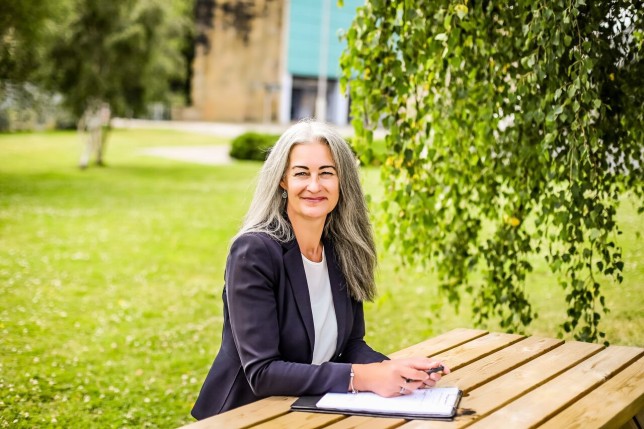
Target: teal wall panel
{"x":305,"y":18}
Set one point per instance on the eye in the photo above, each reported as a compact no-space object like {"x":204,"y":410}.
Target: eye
{"x":327,"y":173}
{"x":300,"y":174}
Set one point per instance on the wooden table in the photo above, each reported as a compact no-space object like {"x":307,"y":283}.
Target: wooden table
{"x":509,"y":381}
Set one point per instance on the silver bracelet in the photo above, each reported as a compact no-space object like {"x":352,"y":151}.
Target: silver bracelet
{"x":351,"y":375}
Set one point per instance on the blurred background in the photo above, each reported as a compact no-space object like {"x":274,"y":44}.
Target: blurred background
{"x":111,"y":277}
{"x":196,"y":60}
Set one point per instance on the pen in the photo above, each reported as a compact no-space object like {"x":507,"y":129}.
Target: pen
{"x":429,"y":371}
{"x":439,"y":368}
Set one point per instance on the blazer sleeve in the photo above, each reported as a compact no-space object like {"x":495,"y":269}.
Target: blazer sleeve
{"x":252,"y":273}
{"x":356,"y":349}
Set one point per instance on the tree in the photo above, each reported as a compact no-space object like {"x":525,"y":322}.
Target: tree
{"x":514,"y":128}
{"x":25,"y":26}
{"x":122,"y":54}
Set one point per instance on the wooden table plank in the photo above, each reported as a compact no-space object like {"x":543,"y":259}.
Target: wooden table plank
{"x":631,"y":424}
{"x":300,"y":420}
{"x":620,"y":398}
{"x":491,"y":396}
{"x":440,"y":343}
{"x":476,"y":349}
{"x":543,"y":402}
{"x":492,"y":366}
{"x":639,"y":417}
{"x":247,"y":415}
{"x":359,"y":422}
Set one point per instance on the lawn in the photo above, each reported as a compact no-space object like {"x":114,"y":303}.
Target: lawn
{"x":110,"y":281}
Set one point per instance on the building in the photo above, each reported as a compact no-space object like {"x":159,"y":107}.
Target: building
{"x":266,"y":60}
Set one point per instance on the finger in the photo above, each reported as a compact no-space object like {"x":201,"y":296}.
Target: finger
{"x":444,"y":368}
{"x":431,"y":366}
{"x":413,"y":374}
{"x":413,"y":385}
{"x":405,"y":391}
{"x":429,"y":382}
{"x":436,"y":376}
{"x":423,"y":364}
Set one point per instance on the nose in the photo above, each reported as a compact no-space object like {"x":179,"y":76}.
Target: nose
{"x":313,"y":185}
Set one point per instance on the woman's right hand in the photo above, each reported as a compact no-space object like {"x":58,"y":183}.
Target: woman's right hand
{"x":395,"y":377}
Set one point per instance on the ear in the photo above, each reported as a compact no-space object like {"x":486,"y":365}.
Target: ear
{"x":283,"y":185}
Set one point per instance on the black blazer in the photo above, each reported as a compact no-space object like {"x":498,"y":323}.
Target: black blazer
{"x":267,"y":339}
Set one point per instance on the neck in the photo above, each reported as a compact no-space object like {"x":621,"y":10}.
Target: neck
{"x":308,"y":235}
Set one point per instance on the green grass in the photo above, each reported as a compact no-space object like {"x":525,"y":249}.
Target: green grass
{"x":110,"y":281}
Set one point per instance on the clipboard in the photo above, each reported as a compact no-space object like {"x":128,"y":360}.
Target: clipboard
{"x":309,"y":404}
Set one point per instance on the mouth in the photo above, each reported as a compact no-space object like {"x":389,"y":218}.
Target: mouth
{"x":314,"y":199}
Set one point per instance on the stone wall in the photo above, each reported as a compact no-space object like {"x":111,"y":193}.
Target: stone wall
{"x":236,"y":70}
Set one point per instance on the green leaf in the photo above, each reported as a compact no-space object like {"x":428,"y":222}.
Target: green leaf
{"x":461,"y":10}
{"x":447,"y":24}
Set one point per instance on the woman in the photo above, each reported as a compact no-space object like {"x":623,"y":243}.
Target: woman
{"x":296,"y":276}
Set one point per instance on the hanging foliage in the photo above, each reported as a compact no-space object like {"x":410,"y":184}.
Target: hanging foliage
{"x":514,"y":130}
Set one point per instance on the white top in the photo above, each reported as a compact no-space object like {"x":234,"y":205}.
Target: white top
{"x":324,"y":321}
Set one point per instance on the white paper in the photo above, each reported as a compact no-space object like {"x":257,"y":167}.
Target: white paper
{"x":438,"y":401}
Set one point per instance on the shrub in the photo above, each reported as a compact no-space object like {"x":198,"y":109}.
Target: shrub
{"x":252,"y":146}
{"x":255,"y":147}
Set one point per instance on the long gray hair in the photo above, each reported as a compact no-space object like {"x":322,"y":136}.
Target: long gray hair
{"x":347,"y":226}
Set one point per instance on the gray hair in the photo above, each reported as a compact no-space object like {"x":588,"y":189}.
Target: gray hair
{"x":347,"y":226}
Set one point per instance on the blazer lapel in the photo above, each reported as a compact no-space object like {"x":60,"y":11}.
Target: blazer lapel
{"x":297,"y":279}
{"x":340,"y":295}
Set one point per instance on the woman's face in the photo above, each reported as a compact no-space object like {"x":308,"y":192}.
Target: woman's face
{"x":311,"y":181}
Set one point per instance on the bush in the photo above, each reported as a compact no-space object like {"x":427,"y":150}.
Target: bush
{"x":255,"y":147}
{"x":252,"y":146}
